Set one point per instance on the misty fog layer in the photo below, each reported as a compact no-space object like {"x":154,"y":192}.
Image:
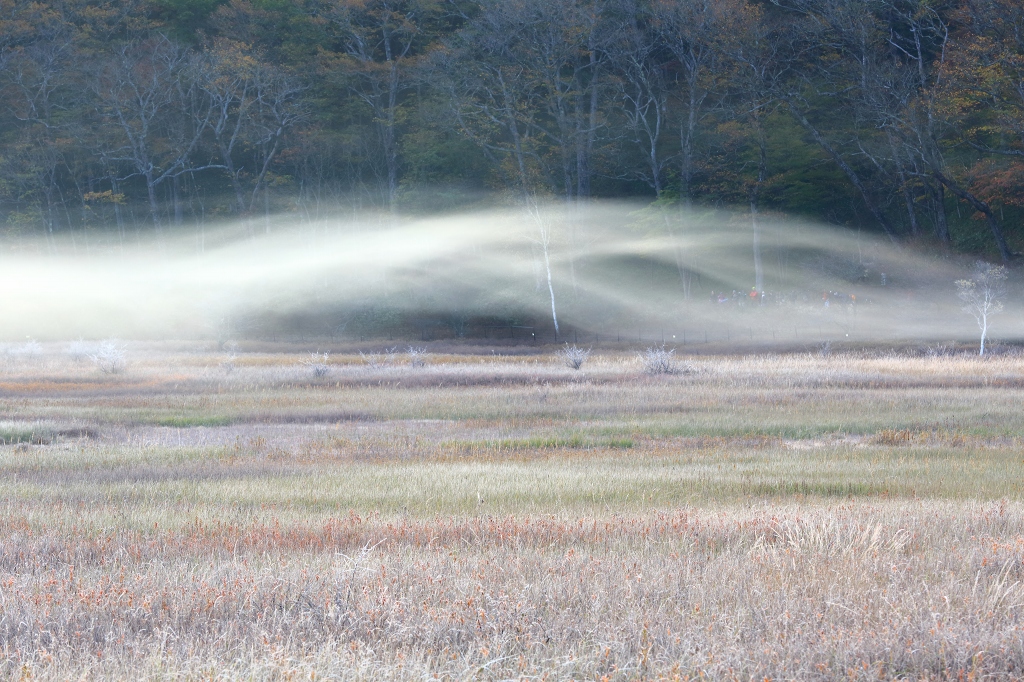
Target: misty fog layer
{"x":617,"y":270}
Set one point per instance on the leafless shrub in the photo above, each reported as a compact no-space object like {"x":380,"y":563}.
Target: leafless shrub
{"x":417,"y":356}
{"x":543,"y":392}
{"x":573,"y":356}
{"x":79,"y":350}
{"x":30,"y":348}
{"x":110,"y":357}
{"x":825,"y":349}
{"x":380,"y":360}
{"x":940,"y":350}
{"x":317,"y":363}
{"x":231,"y":348}
{"x":659,"y":360}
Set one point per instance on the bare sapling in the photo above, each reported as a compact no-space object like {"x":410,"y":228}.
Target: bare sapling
{"x":982,"y":295}
{"x":318,"y":364}
{"x":659,"y":360}
{"x":573,"y":356}
{"x":417,"y":356}
{"x":941,"y":350}
{"x":30,"y":348}
{"x":543,"y":239}
{"x":380,"y":360}
{"x":110,"y":357}
{"x":78,"y":350}
{"x":231,"y":348}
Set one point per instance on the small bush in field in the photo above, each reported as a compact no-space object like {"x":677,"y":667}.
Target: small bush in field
{"x":30,"y":348}
{"x":417,"y":356}
{"x":659,"y":360}
{"x":380,"y":360}
{"x":110,"y":357}
{"x":317,"y":363}
{"x":231,"y":347}
{"x":79,"y":350}
{"x":941,"y":350}
{"x":573,"y":356}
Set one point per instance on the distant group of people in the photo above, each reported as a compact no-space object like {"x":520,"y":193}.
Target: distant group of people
{"x":831,"y":298}
{"x":762,"y":298}
{"x":735,"y":297}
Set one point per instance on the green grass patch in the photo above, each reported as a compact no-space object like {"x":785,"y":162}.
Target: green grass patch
{"x":187,"y":421}
{"x":15,"y":436}
{"x":538,"y":443}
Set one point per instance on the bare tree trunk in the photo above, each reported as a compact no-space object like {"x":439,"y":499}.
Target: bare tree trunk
{"x":938,"y":193}
{"x":909,"y":201}
{"x":48,"y":216}
{"x":984,"y":333}
{"x":390,"y":145}
{"x":233,"y":172}
{"x":686,"y":143}
{"x":266,"y":209}
{"x":687,"y":131}
{"x":154,"y":207}
{"x":755,"y":196}
{"x":117,"y":211}
{"x":551,"y":289}
{"x":586,"y":149}
{"x":755,"y":225}
{"x":543,"y":229}
{"x":685,"y":273}
{"x":176,"y":197}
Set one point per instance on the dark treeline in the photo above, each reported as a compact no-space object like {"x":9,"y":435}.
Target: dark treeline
{"x":905,"y":117}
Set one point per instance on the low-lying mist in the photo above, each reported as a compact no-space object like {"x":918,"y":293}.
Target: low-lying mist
{"x":613,"y":270}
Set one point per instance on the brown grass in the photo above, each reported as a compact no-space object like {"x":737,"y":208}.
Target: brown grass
{"x":502,"y":518}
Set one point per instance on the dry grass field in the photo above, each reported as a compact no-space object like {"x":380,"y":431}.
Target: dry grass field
{"x":200,"y":515}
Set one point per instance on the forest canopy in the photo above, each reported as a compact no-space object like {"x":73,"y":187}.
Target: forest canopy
{"x":900,"y":117}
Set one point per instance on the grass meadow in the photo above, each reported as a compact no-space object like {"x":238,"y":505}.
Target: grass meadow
{"x":199,"y":514}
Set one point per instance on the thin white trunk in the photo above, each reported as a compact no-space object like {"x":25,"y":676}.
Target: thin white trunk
{"x":755,"y":224}
{"x":544,"y":240}
{"x":551,"y":288}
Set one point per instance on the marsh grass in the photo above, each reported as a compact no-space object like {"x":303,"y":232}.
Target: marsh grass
{"x":849,"y":516}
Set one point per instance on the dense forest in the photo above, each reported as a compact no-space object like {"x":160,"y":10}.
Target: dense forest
{"x":903,"y":117}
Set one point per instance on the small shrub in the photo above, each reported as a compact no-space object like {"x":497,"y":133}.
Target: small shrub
{"x":941,"y":350}
{"x":317,"y":363}
{"x":30,"y":348}
{"x":380,"y":360}
{"x":79,"y":350}
{"x":573,"y":356}
{"x":659,"y":360}
{"x":231,"y":348}
{"x":417,"y":356}
{"x":825,"y":349}
{"x":110,"y":357}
